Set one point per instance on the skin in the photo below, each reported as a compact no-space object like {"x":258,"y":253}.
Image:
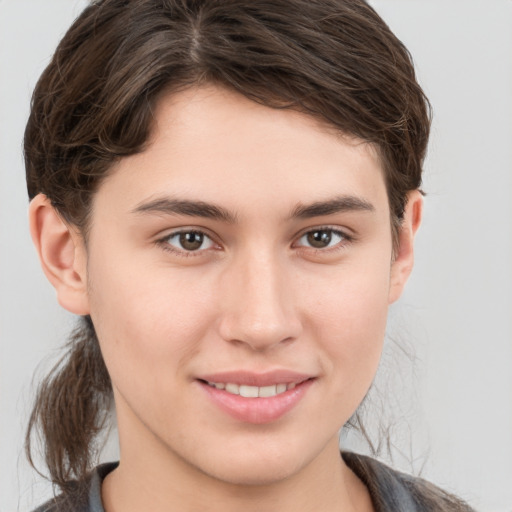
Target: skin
{"x":255,"y":296}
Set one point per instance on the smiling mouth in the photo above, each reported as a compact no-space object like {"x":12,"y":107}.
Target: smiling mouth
{"x":256,"y":399}
{"x":252,"y":391}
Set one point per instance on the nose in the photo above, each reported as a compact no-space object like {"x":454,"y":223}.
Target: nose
{"x":259,"y":304}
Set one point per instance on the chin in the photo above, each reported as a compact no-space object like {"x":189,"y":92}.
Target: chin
{"x":263,"y":473}
{"x":258,"y":467}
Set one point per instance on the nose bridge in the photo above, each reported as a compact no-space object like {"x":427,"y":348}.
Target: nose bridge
{"x":259,"y":310}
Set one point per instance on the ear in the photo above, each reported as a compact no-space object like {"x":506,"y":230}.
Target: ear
{"x":62,"y":255}
{"x":402,"y":264}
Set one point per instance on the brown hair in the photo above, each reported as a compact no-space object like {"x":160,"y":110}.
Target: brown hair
{"x":335,"y":60}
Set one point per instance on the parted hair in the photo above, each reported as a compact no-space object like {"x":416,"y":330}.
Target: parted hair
{"x":335,"y":60}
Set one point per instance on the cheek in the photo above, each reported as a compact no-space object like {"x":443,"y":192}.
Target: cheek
{"x":349,"y":317}
{"x":148,"y":325}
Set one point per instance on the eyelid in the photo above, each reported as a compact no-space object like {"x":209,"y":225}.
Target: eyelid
{"x":162,"y":241}
{"x":347,"y":238}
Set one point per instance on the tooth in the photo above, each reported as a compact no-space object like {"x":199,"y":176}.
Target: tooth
{"x":253,"y":391}
{"x":249,"y":391}
{"x":210,"y":384}
{"x":232,"y":388}
{"x":266,"y":391}
{"x":280,"y":388}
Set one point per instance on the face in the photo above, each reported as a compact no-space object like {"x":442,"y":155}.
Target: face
{"x":239,"y":279}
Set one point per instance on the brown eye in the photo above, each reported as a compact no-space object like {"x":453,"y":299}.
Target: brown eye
{"x":189,"y":241}
{"x":321,"y":238}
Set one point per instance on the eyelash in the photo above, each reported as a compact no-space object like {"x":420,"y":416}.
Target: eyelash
{"x":345,"y":240}
{"x":166,"y":246}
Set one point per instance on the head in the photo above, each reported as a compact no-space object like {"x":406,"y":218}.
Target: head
{"x":160,"y":100}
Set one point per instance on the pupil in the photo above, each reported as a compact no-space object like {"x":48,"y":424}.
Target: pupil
{"x":319,"y":239}
{"x":191,"y":241}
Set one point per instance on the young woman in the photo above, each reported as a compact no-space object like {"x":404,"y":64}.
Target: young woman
{"x":226,"y":193}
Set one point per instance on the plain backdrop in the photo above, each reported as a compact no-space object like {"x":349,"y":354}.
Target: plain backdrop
{"x":452,"y":405}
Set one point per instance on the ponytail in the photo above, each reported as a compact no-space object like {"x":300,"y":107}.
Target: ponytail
{"x":71,"y":409}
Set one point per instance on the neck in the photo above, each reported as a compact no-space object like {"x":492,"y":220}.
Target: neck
{"x":152,"y":477}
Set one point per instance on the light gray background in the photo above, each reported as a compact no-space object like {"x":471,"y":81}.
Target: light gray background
{"x":456,"y":313}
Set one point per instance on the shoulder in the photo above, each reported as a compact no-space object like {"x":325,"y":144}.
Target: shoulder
{"x":84,"y":496}
{"x":71,"y":501}
{"x":392,"y":490}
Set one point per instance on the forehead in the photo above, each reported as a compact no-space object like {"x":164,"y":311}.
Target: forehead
{"x":216,"y":145}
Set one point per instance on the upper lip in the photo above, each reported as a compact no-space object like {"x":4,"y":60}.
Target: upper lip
{"x":249,"y":378}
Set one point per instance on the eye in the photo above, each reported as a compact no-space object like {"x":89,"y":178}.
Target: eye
{"x":324,"y":238}
{"x":188,"y":241}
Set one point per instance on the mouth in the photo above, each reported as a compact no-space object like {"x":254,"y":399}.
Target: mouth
{"x":257,"y":399}
{"x":252,"y":391}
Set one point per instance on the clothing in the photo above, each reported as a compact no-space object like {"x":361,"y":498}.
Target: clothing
{"x":390,"y":490}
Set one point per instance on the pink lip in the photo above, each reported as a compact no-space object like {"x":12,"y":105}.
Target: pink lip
{"x":257,"y":379}
{"x":257,"y":410}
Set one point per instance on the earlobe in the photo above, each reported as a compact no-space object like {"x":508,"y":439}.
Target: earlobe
{"x":403,"y":262}
{"x":61,"y":253}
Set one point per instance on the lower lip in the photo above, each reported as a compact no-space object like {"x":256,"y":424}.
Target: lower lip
{"x":257,"y":410}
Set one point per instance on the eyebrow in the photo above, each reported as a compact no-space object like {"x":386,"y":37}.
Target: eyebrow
{"x":169,"y":206}
{"x":338,"y":204}
{"x":188,"y":208}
